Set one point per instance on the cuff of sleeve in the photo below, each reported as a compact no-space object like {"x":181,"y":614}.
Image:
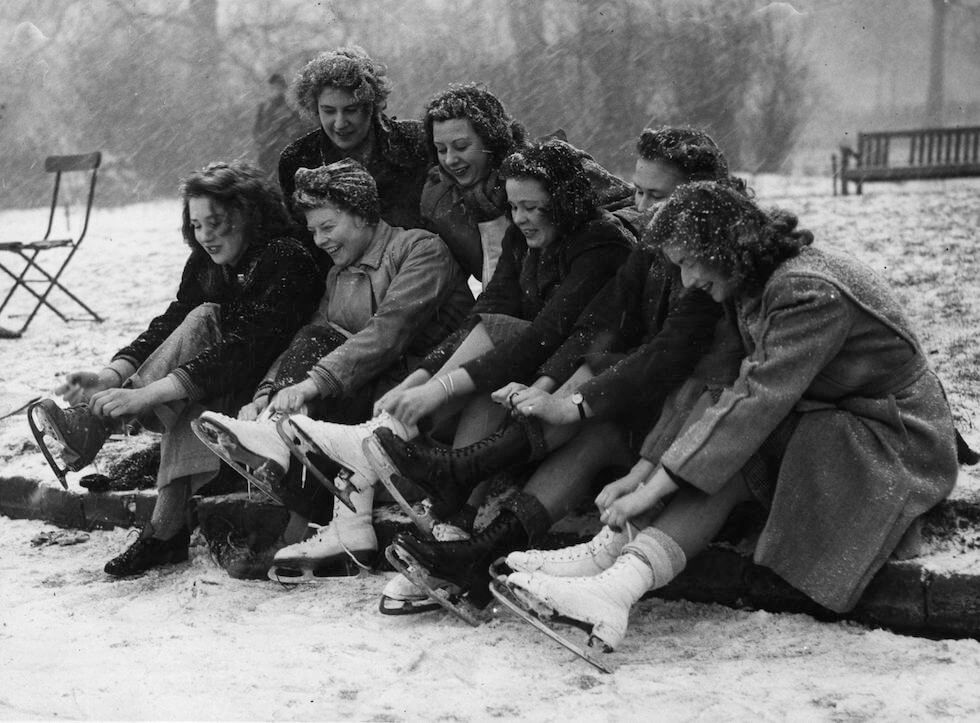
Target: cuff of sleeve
{"x":122,"y":366}
{"x":327,"y":384}
{"x":263,"y":390}
{"x":183,"y":381}
{"x":680,"y":481}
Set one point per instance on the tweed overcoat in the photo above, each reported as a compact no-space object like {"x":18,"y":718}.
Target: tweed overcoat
{"x":829,"y":348}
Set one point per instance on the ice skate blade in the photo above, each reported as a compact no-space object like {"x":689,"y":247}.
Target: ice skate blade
{"x":387,"y":473}
{"x":223,"y":442}
{"x":393,"y":606}
{"x":287,"y":574}
{"x":301,"y":447}
{"x":408,"y":566}
{"x":505,"y":595}
{"x":40,"y":426}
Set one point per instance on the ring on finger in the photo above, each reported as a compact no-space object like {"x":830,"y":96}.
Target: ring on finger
{"x":510,"y":400}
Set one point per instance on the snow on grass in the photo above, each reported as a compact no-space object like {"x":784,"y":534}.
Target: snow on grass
{"x":188,"y":642}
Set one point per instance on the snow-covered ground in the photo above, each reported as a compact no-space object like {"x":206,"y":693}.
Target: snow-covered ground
{"x":190,"y":643}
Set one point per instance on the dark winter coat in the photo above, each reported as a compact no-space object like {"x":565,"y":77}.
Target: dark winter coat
{"x":398,"y":165}
{"x":471,"y":221}
{"x":873,"y":447}
{"x":548,"y":287}
{"x":642,"y":335}
{"x":264,"y":300}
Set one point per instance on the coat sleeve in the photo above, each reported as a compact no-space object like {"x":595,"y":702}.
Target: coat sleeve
{"x":610,"y":318}
{"x":651,"y":371}
{"x":283,"y":290}
{"x":426,"y":276}
{"x":803,"y":324}
{"x":593,"y":260}
{"x":190,"y":295}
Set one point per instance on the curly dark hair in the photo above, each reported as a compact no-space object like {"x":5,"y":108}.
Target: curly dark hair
{"x":718,"y":225}
{"x":501,"y":134}
{"x":351,"y":69}
{"x":242,"y":187}
{"x":558,"y":167}
{"x":345,"y":184}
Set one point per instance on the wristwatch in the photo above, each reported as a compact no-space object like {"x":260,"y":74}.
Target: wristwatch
{"x":579,"y":401}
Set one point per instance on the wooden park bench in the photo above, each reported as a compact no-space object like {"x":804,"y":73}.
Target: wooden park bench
{"x":907,"y":155}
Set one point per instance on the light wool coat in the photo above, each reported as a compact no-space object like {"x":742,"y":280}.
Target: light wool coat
{"x":874,"y":446}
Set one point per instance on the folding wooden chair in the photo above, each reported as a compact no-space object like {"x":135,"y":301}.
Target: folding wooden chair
{"x":30,"y":250}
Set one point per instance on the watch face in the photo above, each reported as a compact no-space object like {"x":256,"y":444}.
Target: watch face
{"x":577,"y":398}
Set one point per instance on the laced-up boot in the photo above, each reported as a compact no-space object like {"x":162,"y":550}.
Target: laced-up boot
{"x":148,"y":552}
{"x":466,"y":563}
{"x":582,"y":560}
{"x":447,"y":476}
{"x":343,"y":443}
{"x":77,"y":430}
{"x":342,"y":548}
{"x":603,"y":601}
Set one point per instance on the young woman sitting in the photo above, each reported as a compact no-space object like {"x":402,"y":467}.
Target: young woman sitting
{"x":835,"y":424}
{"x":246,"y":288}
{"x":391,"y":295}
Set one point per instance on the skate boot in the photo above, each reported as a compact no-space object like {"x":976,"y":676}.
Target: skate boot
{"x":341,"y":549}
{"x":253,"y":449}
{"x":447,"y":476}
{"x":601,"y":603}
{"x":466,"y":563}
{"x":148,"y":552}
{"x":343,"y":443}
{"x":582,"y":560}
{"x":77,"y":432}
{"x":401,"y":596}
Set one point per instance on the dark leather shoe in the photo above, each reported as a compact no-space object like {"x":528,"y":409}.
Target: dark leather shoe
{"x":148,"y":552}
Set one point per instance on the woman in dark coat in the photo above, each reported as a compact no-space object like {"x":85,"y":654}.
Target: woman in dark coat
{"x":638,"y":339}
{"x":347,"y":92}
{"x":245,"y":290}
{"x":835,"y":423}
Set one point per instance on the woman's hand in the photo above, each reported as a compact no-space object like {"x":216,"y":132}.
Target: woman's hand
{"x":78,"y":387}
{"x":638,"y":474}
{"x":294,"y":398}
{"x":118,"y":403}
{"x":535,"y":402}
{"x":410,"y":405}
{"x":251,"y":411}
{"x":642,"y":499}
{"x":502,"y":396}
{"x":388,"y":400}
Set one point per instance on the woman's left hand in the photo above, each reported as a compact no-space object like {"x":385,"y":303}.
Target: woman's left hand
{"x":534,"y":402}
{"x":117,"y":403}
{"x":294,"y":398}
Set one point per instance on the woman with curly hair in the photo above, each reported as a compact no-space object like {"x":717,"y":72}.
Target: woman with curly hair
{"x":468,"y":134}
{"x":246,"y":288}
{"x":639,"y":339}
{"x":347,"y":92}
{"x":558,"y":252}
{"x":835,"y":424}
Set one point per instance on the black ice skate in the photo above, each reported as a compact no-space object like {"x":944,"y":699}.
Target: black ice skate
{"x":402,"y":560}
{"x":388,"y":475}
{"x":77,"y":432}
{"x":536,"y":613}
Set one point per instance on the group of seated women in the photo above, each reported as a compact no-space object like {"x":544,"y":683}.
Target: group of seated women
{"x":326,"y":339}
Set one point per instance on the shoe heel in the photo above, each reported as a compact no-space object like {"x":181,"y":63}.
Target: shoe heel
{"x":605,"y":637}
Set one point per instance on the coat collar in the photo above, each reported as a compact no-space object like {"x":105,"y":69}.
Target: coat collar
{"x":375,"y":250}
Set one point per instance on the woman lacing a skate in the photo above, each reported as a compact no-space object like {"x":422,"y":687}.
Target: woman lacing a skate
{"x":245,"y":289}
{"x":640,"y":337}
{"x":391,"y":295}
{"x":835,"y":424}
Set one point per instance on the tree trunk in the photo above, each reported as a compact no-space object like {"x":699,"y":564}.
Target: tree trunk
{"x":937,"y":61}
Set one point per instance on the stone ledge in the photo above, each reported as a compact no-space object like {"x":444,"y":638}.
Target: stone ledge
{"x":905,"y":596}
